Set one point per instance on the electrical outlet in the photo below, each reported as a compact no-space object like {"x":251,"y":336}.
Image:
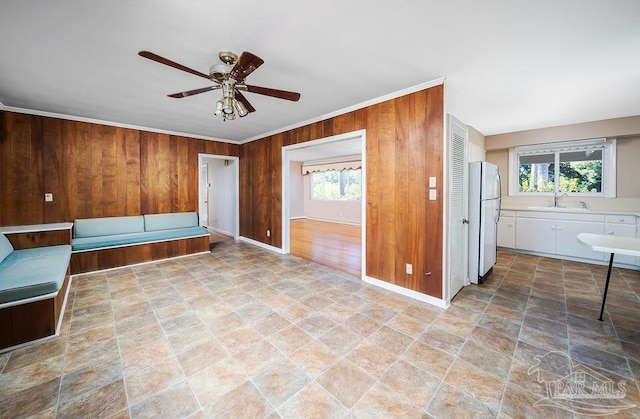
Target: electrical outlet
{"x":409,"y":268}
{"x":268,"y":233}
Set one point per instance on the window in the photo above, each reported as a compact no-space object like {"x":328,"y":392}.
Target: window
{"x":344,"y":185}
{"x":584,"y":168}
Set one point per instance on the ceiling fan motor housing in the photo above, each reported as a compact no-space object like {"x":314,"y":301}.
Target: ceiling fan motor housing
{"x":219,"y":72}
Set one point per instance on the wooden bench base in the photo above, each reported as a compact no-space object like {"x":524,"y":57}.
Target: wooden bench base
{"x":99,"y":259}
{"x":33,"y":320}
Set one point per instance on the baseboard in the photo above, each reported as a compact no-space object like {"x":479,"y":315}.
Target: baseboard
{"x":260,"y":244}
{"x":407,"y":292}
{"x":217,"y":230}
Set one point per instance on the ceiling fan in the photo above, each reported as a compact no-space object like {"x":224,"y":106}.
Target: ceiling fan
{"x":229,"y":76}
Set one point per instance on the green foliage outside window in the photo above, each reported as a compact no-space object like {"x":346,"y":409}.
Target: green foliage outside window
{"x":580,"y":172}
{"x":345,"y":185}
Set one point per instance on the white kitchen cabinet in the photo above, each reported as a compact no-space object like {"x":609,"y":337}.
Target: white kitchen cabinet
{"x":567,"y":242}
{"x":622,"y":226}
{"x":554,"y":233}
{"x":507,"y":229}
{"x":536,"y":234}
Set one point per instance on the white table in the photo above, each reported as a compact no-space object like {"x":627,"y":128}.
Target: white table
{"x":609,"y":244}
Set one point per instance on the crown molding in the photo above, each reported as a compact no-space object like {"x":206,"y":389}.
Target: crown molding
{"x":110,"y":123}
{"x":399,"y":93}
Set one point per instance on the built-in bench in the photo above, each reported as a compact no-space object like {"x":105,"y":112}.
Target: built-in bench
{"x":33,"y":290}
{"x":110,"y":242}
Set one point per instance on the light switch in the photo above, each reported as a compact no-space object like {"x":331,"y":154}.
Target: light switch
{"x":432,"y":181}
{"x":48,"y":197}
{"x":432,"y":195}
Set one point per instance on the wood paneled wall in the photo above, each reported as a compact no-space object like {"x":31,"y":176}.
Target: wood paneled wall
{"x":94,"y":170}
{"x":404,"y":148}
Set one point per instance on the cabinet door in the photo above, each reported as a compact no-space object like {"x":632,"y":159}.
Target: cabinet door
{"x":622,"y":230}
{"x":537,"y":235}
{"x":506,"y":232}
{"x":567,"y":242}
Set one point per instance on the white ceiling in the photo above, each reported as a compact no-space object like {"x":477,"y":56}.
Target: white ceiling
{"x":517,"y":64}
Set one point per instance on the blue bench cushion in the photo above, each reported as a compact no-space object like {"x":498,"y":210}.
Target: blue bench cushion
{"x":5,"y":247}
{"x":155,"y":222}
{"x":107,"y":226}
{"x":88,"y":243}
{"x":33,"y":272}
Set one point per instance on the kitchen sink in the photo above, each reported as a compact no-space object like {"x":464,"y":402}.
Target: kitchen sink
{"x":559,"y":209}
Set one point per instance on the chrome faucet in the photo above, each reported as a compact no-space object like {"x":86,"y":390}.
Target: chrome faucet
{"x":556,"y":198}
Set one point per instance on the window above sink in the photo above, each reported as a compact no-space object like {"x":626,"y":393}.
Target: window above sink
{"x":576,"y":168}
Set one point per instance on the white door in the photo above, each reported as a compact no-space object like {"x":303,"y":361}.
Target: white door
{"x":457,"y":178}
{"x":204,"y":195}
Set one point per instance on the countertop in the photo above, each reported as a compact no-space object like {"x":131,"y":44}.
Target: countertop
{"x":563,"y":210}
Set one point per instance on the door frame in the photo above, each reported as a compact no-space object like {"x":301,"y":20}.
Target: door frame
{"x":286,"y":197}
{"x":236,"y":164}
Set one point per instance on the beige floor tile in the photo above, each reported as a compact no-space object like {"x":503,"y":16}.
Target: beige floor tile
{"x":472,"y":380}
{"x":411,"y":382}
{"x":214,"y":382}
{"x":245,"y":401}
{"x":281,"y":381}
{"x":383,"y":402}
{"x":494,"y":340}
{"x":313,"y":401}
{"x":27,"y":402}
{"x":484,"y":358}
{"x":101,"y":402}
{"x":361,"y":324}
{"x":346,"y":382}
{"x":374,"y":360}
{"x":340,"y":339}
{"x":442,"y":340}
{"x":290,"y":339}
{"x":94,"y":376}
{"x":201,"y":356}
{"x":314,"y":358}
{"x":391,"y":340}
{"x":31,"y":354}
{"x":175,"y":402}
{"x":153,"y":380}
{"x":449,"y":402}
{"x":407,"y":325}
{"x":315,"y":325}
{"x":137,"y":359}
{"x":429,"y":359}
{"x":31,"y":375}
{"x":258,"y":357}
{"x":239,"y":339}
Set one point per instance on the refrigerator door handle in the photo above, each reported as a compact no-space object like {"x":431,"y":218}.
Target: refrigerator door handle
{"x":499,"y":197}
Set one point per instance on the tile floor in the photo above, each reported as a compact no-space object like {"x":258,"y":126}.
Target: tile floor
{"x":244,"y":332}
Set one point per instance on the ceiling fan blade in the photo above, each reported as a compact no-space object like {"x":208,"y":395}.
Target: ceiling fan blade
{"x":245,"y":66}
{"x":281,"y":94}
{"x":155,"y":57}
{"x":240,"y":97}
{"x":193,"y":92}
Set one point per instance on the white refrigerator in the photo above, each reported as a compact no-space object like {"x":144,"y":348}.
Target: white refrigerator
{"x":484,"y":212}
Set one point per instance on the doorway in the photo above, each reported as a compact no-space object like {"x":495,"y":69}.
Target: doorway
{"x":218,"y":197}
{"x":326,"y":148}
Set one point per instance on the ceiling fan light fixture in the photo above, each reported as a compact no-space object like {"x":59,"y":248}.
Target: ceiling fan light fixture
{"x":227,"y":105}
{"x":242,"y":110}
{"x":218,"y":111}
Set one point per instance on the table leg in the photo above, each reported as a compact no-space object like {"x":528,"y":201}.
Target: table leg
{"x":606,"y":286}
